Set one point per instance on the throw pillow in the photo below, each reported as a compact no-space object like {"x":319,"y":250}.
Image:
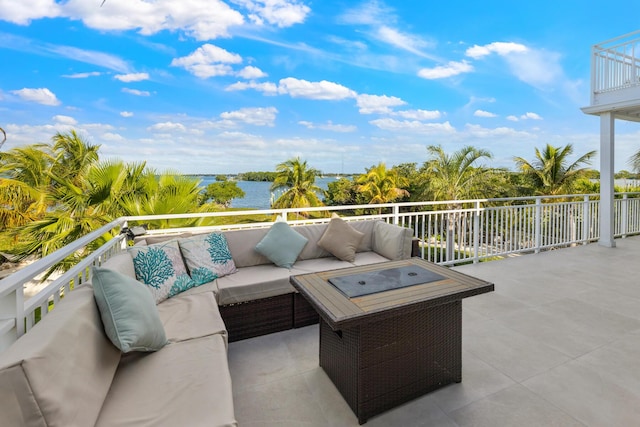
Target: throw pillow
{"x":161,"y":268}
{"x":340,"y":239}
{"x":391,"y":241}
{"x":207,"y":257}
{"x":282,"y":244}
{"x":129,"y":314}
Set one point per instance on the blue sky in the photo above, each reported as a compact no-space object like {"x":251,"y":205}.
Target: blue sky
{"x":212,"y":86}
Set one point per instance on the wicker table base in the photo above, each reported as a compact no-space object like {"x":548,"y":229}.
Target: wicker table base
{"x":377,"y":366}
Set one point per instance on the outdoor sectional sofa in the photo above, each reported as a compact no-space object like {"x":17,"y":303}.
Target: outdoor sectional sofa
{"x":67,"y":371}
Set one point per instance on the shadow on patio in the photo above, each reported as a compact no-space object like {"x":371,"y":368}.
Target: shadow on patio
{"x":556,"y":344}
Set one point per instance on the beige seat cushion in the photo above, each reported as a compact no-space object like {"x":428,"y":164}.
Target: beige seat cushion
{"x":65,"y":358}
{"x":250,"y":283}
{"x":187,"y":317}
{"x":184,"y":384}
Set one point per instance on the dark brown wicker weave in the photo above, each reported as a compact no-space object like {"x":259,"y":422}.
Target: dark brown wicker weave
{"x":377,"y":366}
{"x":384,"y":349}
{"x":258,"y":317}
{"x":303,"y":313}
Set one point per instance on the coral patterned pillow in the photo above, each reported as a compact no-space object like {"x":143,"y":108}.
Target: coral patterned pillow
{"x":207,"y":257}
{"x":161,"y":268}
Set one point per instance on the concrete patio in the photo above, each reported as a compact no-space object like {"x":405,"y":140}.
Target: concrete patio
{"x":556,"y":344}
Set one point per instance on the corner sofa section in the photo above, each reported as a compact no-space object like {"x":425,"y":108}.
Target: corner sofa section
{"x":66,"y":372}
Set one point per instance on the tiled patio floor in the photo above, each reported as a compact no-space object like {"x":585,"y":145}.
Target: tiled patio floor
{"x":556,"y":344}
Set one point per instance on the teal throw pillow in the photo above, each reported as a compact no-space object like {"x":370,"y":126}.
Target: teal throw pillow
{"x":129,"y":314}
{"x":282,"y":245}
{"x":161,"y":268}
{"x":207,"y":256}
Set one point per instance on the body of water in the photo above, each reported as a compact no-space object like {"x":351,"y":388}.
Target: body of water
{"x":258,"y":194}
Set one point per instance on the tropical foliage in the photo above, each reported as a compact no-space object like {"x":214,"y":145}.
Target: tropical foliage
{"x":551,"y":173}
{"x":53,"y":194}
{"x":223,"y":192}
{"x":382,"y":185}
{"x":297,"y":181}
{"x":456,"y":176}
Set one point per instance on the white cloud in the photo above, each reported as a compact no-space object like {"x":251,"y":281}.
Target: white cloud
{"x":402,"y":40}
{"x":380,"y":104}
{"x":41,"y":95}
{"x":22,"y":12}
{"x":413,"y":126}
{"x":65,"y":120}
{"x":537,"y":67}
{"x":382,"y":23}
{"x":328,"y":126}
{"x":167,"y":127}
{"x":126,"y":113}
{"x":92,"y":57}
{"x":531,"y":116}
{"x":483,"y":113}
{"x":501,"y":48}
{"x":478,"y":131}
{"x":131,"y":77}
{"x":110,"y":136}
{"x":267,"y":88}
{"x":282,"y":13}
{"x":513,"y":118}
{"x":208,"y":61}
{"x":323,"y":90}
{"x":201,"y":19}
{"x":250,"y":72}
{"x":453,"y":68}
{"x":418,"y":114}
{"x":82,"y":75}
{"x":136,"y":92}
{"x":252,"y":116}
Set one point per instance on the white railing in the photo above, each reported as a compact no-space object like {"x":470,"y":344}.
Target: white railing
{"x":449,"y":233}
{"x":615,"y":64}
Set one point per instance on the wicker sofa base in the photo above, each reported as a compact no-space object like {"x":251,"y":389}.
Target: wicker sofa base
{"x":377,"y":366}
{"x":303,"y":313}
{"x":258,"y":317}
{"x":267,"y":315}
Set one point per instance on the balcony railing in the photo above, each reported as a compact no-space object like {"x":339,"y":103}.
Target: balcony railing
{"x":615,"y":64}
{"x":451,"y":232}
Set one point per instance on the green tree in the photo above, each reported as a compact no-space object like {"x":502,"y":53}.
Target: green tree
{"x":455,"y":176}
{"x":59,"y":206}
{"x":223,"y":192}
{"x":634,"y":161}
{"x":551,"y":173}
{"x":343,"y":191}
{"x":24,"y":184}
{"x":297,"y":181}
{"x":221,"y":178}
{"x":380,"y":185}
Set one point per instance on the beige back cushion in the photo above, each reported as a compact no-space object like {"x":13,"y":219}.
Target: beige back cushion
{"x":59,"y":373}
{"x":392,"y":241}
{"x":122,"y":263}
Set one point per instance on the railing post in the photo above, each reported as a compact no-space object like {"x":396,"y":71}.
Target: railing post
{"x":476,"y":232}
{"x":396,"y":214}
{"x":538,"y":224}
{"x":624,"y":207}
{"x":12,"y":309}
{"x":586,"y":220}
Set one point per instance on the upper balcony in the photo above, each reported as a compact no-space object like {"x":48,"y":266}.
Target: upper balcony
{"x":615,"y":77}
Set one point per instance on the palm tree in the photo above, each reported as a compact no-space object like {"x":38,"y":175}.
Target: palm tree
{"x":297,"y":180}
{"x":24,"y":184}
{"x":382,"y":185}
{"x":455,"y":177}
{"x":634,"y":161}
{"x":551,"y":172}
